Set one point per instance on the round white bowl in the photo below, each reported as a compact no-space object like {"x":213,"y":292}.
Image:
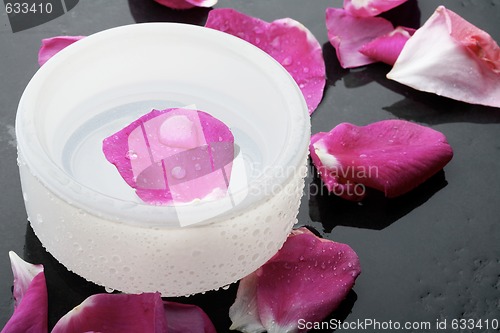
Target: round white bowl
{"x":93,"y":223}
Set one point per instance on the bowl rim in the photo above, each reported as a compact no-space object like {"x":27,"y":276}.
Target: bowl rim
{"x":46,"y":170}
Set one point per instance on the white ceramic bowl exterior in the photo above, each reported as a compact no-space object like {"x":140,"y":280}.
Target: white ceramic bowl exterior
{"x":93,"y":223}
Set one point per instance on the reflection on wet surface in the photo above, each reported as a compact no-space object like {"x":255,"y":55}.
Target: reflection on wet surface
{"x":374,"y":212}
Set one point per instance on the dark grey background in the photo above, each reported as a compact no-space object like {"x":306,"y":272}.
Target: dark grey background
{"x":30,"y":13}
{"x":432,"y":254}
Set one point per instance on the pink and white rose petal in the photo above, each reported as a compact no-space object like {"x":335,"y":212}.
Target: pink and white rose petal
{"x":392,"y":156}
{"x":451,"y":57}
{"x":307,"y":279}
{"x":30,"y":298}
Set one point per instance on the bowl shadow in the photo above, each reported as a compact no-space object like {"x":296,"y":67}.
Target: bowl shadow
{"x":65,"y":289}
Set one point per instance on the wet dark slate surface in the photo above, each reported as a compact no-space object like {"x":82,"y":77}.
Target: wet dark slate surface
{"x":430,"y":255}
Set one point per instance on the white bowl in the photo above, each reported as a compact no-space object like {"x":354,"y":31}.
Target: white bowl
{"x":92,"y":222}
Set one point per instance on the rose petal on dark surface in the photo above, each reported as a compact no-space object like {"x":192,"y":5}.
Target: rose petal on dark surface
{"x":30,"y":298}
{"x":51,"y":46}
{"x":307,"y":279}
{"x":186,"y":4}
{"x":363,"y":8}
{"x":392,"y":156}
{"x":287,"y":41}
{"x":387,"y":48}
{"x":451,"y":57}
{"x":116,"y":313}
{"x":186,"y":318}
{"x":348,"y":33}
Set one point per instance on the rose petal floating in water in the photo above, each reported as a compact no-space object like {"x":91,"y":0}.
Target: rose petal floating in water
{"x":187,"y":318}
{"x":451,"y":57}
{"x":287,"y":41}
{"x":186,"y":4}
{"x":348,"y":34}
{"x":30,"y":298}
{"x":365,"y":8}
{"x":115,"y":313}
{"x":387,"y":48}
{"x":307,"y":279}
{"x":392,"y":156}
{"x":173,"y":155}
{"x":50,"y":46}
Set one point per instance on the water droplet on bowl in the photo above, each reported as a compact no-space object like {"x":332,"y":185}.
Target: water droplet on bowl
{"x":131,"y":155}
{"x":178,"y":172}
{"x":276,"y":42}
{"x":287,"y":61}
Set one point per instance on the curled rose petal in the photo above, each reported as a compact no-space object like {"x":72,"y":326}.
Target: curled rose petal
{"x":387,"y":48}
{"x":186,"y":4}
{"x":307,"y":279}
{"x":244,"y":312}
{"x":287,"y":41}
{"x":50,"y":46}
{"x":392,"y":156}
{"x":30,"y":298}
{"x":24,"y":273}
{"x":116,"y":313}
{"x":365,"y":8}
{"x":348,"y":34}
{"x":187,"y":318}
{"x":173,"y":155}
{"x":451,"y":57}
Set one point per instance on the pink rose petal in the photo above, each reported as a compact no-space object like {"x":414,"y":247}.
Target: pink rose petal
{"x":348,"y":34}
{"x":115,"y":313}
{"x":50,"y":46}
{"x":365,"y":8}
{"x":287,"y":41}
{"x":387,"y":48}
{"x":307,"y":279}
{"x":393,"y":156}
{"x":173,"y":155}
{"x":187,"y":318}
{"x":30,"y":298}
{"x":451,"y":57}
{"x":186,"y":4}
